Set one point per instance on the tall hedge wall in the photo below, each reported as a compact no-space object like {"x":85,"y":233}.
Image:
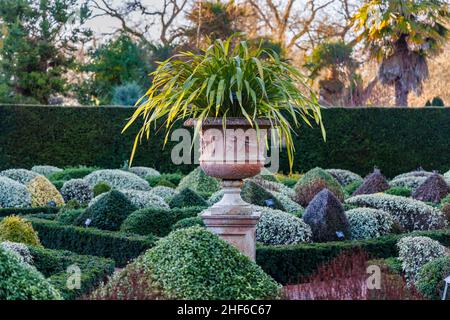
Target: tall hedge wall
{"x":396,"y":140}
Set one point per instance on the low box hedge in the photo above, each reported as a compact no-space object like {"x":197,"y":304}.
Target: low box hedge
{"x":4,"y":212}
{"x":290,"y":263}
{"x":89,"y":241}
{"x":53,"y":264}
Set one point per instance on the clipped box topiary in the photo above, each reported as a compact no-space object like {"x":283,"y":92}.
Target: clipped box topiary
{"x":430,"y":279}
{"x":156,"y":221}
{"x":313,"y":182}
{"x":18,"y":229}
{"x":20,"y":281}
{"x":187,"y":198}
{"x":44,"y":193}
{"x":326,"y":217}
{"x":218,"y":272}
{"x":373,"y":183}
{"x":257,"y":195}
{"x":108,"y":212}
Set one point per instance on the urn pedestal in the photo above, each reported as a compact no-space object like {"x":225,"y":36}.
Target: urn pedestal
{"x":232,"y":154}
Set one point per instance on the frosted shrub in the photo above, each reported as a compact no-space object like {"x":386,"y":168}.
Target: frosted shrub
{"x":410,"y":214}
{"x":144,"y":172}
{"x":276,"y":227}
{"x":447,"y":177}
{"x":21,"y":250}
{"x":411,"y":183}
{"x":412,"y":174}
{"x":77,"y":189}
{"x":164,"y":192}
{"x":46,"y":170}
{"x":13,"y":194}
{"x":117,"y":179}
{"x":367,"y":223}
{"x":145,"y":199}
{"x":20,"y":175}
{"x":344,"y":177}
{"x":415,"y":252}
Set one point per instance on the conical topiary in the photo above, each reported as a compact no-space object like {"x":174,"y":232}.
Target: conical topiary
{"x":187,"y":198}
{"x":373,"y":183}
{"x":255,"y":194}
{"x":434,"y":189}
{"x":108,"y":212}
{"x":313,"y":182}
{"x":326,"y":217}
{"x":200,"y":182}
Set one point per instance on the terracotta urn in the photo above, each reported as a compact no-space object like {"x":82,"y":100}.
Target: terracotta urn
{"x":232,"y":151}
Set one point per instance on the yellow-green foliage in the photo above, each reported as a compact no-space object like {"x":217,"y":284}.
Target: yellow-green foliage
{"x":43,"y":192}
{"x":17,"y":229}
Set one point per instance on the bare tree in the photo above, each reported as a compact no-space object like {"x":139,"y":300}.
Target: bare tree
{"x":301,"y":24}
{"x":139,"y":19}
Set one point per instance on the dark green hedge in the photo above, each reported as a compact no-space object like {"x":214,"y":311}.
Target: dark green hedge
{"x":290,"y":263}
{"x":54,"y":263}
{"x":4,"y":212}
{"x":394,"y":139}
{"x":88,"y":241}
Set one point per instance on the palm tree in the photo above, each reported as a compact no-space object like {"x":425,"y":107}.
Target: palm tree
{"x":401,"y":35}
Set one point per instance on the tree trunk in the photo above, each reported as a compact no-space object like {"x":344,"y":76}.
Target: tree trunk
{"x":401,"y":95}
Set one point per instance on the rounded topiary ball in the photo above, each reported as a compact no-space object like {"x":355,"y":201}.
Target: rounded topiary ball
{"x":196,"y":264}
{"x":77,"y":189}
{"x":108,"y":212}
{"x":20,"y":281}
{"x":430,"y":279}
{"x":17,"y":229}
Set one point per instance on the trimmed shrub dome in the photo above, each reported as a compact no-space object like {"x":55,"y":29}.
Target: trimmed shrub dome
{"x":187,"y":198}
{"x":415,"y":252}
{"x":409,"y":213}
{"x":313,"y":182}
{"x":77,"y":189}
{"x":434,"y":189}
{"x":22,"y":176}
{"x":411,"y":183}
{"x":276,"y":227}
{"x":199,"y":182}
{"x":417,"y":173}
{"x":46,"y":170}
{"x":273,"y":186}
{"x":345,"y":177}
{"x":164,"y":192}
{"x":373,"y":183}
{"x":326,"y":217}
{"x":13,"y":194}
{"x":17,"y":229}
{"x":117,"y":179}
{"x":144,"y":172}
{"x":21,"y":250}
{"x":288,"y":204}
{"x":108,"y":212}
{"x":43,"y":193}
{"x":367,"y":223}
{"x":145,"y":199}
{"x":20,"y":281}
{"x":257,"y":195}
{"x":218,"y":272}
{"x":429,"y":279}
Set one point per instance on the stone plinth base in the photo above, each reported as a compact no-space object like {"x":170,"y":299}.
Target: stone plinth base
{"x":237,"y":229}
